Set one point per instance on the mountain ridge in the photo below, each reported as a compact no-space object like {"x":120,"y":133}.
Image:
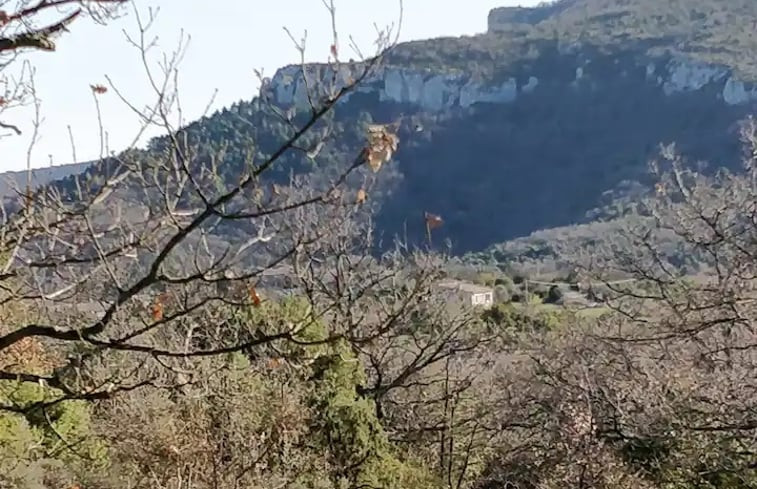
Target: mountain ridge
{"x":542,"y":122}
{"x":10,"y":181}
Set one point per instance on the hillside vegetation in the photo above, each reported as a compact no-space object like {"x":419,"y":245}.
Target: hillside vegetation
{"x":711,"y":31}
{"x":566,"y":153}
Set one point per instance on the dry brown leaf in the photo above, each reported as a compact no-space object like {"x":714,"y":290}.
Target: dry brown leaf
{"x":157,"y":309}
{"x":254,"y":297}
{"x":374,"y":161}
{"x":433,"y":221}
{"x":361,"y":196}
{"x":26,"y":353}
{"x":99,"y":89}
{"x":382,"y":143}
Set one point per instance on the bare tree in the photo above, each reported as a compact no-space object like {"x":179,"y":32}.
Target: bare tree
{"x":662,"y":390}
{"x":117,"y":260}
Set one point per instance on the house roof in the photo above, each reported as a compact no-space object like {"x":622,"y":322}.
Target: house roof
{"x":465,"y":287}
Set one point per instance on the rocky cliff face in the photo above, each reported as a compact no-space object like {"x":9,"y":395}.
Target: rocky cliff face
{"x":503,"y":19}
{"x":434,"y":91}
{"x":428,"y":90}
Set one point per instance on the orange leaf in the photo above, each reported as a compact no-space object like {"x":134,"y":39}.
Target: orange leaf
{"x":382,"y":143}
{"x":157,"y":308}
{"x":433,"y":221}
{"x":157,"y":312}
{"x":254,"y":297}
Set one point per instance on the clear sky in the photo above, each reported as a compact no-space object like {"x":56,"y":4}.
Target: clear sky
{"x":229,"y":40}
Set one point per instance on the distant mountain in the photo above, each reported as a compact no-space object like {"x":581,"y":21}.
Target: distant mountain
{"x":547,"y":120}
{"x":13,"y":180}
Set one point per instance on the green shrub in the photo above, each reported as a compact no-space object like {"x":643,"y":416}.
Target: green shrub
{"x":54,"y":441}
{"x":554,"y":296}
{"x":347,"y":427}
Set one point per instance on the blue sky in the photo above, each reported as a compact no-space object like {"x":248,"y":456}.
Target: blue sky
{"x":229,"y":40}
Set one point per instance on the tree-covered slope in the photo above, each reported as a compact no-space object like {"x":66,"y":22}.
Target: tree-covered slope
{"x":12,"y":181}
{"x":538,"y":123}
{"x":711,"y":31}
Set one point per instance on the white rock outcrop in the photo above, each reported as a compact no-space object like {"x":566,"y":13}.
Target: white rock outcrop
{"x":289,"y":87}
{"x":529,"y":87}
{"x":651,"y":70}
{"x":435,"y":92}
{"x":687,"y":76}
{"x":735,"y":92}
{"x":431,"y":91}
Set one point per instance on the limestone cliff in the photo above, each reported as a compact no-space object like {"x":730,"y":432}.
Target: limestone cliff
{"x":434,"y":91}
{"x":427,"y":89}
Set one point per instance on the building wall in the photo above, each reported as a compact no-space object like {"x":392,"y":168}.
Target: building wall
{"x":461,"y":292}
{"x":482,"y":299}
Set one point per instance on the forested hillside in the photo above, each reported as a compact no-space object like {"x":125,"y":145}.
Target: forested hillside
{"x":600,"y":84}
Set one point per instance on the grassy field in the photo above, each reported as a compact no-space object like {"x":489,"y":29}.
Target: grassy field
{"x":585,"y":312}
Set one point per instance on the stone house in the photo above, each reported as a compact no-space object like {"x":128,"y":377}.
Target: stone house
{"x":470,"y":294}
